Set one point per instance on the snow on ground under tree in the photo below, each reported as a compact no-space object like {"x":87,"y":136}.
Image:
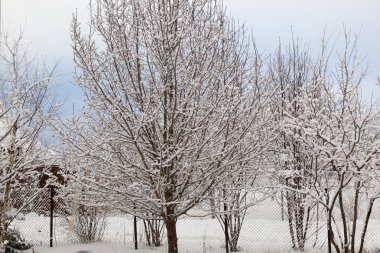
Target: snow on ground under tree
{"x":263,"y":232}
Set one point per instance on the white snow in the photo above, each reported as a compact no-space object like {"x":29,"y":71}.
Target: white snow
{"x":263,"y":232}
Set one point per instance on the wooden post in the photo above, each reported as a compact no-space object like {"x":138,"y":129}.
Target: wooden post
{"x":51,"y":214}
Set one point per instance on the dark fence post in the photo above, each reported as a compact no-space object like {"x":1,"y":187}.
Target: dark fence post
{"x":135,"y":231}
{"x":226,"y":226}
{"x":329,"y":239}
{"x":51,"y":214}
{"x":329,"y":233}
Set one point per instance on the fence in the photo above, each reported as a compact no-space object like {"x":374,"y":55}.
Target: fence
{"x":264,"y":228}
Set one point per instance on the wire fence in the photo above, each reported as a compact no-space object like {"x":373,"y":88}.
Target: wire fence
{"x":263,"y":227}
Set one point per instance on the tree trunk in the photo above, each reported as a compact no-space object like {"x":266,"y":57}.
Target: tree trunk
{"x":147,"y":233}
{"x":171,"y":228}
{"x":344,"y":223}
{"x":299,"y":220}
{"x":366,"y":225}
{"x":7,"y":190}
{"x":4,"y":215}
{"x":355,"y":218}
{"x":290,"y":218}
{"x":153,"y":230}
{"x":331,"y":233}
{"x":282,"y":206}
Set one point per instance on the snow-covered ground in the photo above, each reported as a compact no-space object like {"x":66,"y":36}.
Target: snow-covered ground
{"x":89,"y":248}
{"x":263,"y":232}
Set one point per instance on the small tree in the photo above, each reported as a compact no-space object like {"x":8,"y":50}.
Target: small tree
{"x":26,"y":108}
{"x":233,"y":197}
{"x":341,"y":131}
{"x":295,"y":74}
{"x":232,"y":206}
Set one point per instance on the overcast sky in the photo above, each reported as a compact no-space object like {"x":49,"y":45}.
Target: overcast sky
{"x":47,"y":22}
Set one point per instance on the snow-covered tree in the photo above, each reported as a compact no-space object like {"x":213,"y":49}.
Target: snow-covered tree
{"x":170,"y":96}
{"x":340,"y":133}
{"x":26,"y":107}
{"x":295,"y":73}
{"x":231,"y":198}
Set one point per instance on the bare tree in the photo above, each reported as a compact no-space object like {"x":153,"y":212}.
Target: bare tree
{"x":170,"y":98}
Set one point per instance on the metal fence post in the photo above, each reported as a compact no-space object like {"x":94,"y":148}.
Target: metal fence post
{"x":226,"y":227}
{"x":329,"y":233}
{"x":51,"y":214}
{"x":135,"y":230}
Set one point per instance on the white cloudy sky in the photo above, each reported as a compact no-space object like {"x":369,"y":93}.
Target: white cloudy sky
{"x":46,"y":24}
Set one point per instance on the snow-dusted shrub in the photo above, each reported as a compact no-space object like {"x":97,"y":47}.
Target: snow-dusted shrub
{"x":89,"y":224}
{"x":15,"y":242}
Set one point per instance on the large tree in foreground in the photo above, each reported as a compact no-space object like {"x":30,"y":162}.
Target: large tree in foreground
{"x":170,"y":98}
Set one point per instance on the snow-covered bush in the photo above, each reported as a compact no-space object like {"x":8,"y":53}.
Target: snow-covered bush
{"x":15,"y":242}
{"x":89,"y":224}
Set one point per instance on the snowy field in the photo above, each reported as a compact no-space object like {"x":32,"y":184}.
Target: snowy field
{"x":263,"y":232}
